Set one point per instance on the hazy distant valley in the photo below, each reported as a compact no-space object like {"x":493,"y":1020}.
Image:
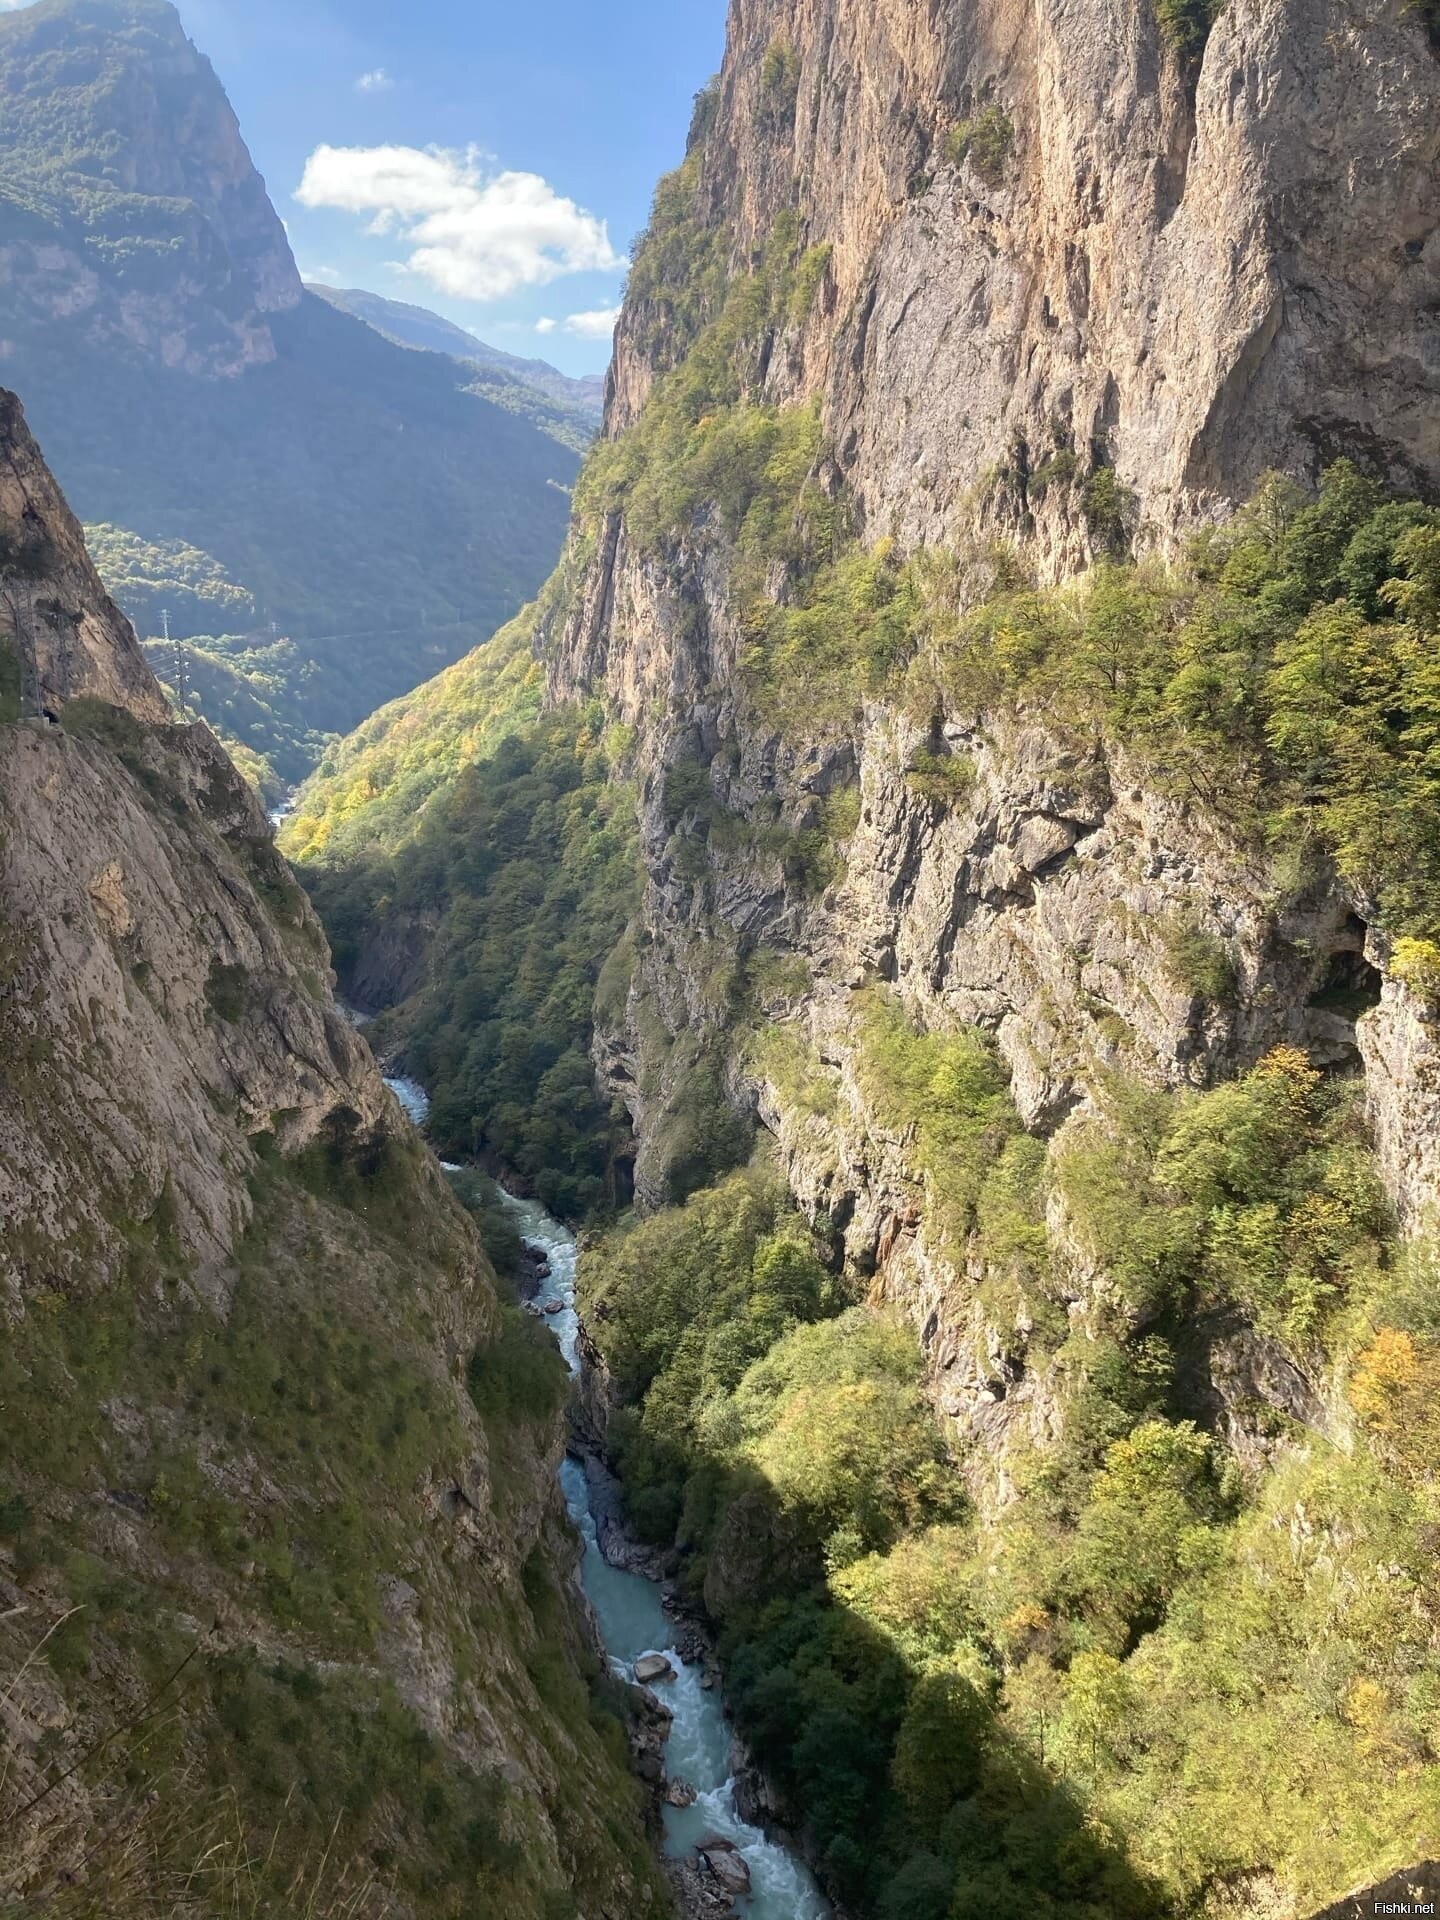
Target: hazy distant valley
{"x":234,"y":441}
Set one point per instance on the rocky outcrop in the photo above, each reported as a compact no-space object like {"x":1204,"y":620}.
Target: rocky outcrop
{"x":1048,"y":894}
{"x":1049,"y":243}
{"x":1401,"y":1049}
{"x":1173,"y":281}
{"x":160,"y":952}
{"x":157,"y":163}
{"x":392,"y":959}
{"x":67,"y":633}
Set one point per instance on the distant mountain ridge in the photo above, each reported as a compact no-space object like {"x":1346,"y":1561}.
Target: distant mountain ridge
{"x":385,"y":510}
{"x":413,"y":326}
{"x":130,"y":209}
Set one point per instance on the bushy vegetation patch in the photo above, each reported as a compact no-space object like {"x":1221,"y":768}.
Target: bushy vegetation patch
{"x":681,"y":265}
{"x":482,"y":1199}
{"x":9,"y":683}
{"x":779,"y":84}
{"x":209,"y":1510}
{"x":226,"y":991}
{"x":950,"y":1094}
{"x":521,"y":1374}
{"x":1186,"y":24}
{"x":372,"y":788}
{"x":780,"y":1435}
{"x":1048,"y":1704}
{"x":985,"y":141}
{"x":708,"y":441}
{"x":1281,"y":677}
{"x":528,"y":861}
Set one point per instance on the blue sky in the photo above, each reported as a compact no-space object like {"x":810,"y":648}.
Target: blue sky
{"x":492,"y":162}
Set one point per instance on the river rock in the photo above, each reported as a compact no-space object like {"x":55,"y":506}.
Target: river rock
{"x":653,"y":1667}
{"x":690,"y":1644}
{"x":699,"y":1895}
{"x":680,"y":1793}
{"x":658,"y":1716}
{"x":726,"y":1863}
{"x":534,"y":1271}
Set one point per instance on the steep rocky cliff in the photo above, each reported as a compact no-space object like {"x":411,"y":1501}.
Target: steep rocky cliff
{"x":1165,"y":263}
{"x":1071,"y":230}
{"x":947,"y":307}
{"x":279,"y":1610}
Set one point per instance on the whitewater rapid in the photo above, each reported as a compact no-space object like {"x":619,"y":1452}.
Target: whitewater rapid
{"x":634,"y":1623}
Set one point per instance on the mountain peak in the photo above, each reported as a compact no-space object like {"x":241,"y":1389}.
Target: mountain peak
{"x":103,"y":102}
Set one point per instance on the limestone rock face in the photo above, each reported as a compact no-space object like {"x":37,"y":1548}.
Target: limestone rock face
{"x":82,"y":645}
{"x":1195,"y":273}
{"x":1050,"y":899}
{"x":138,"y":945}
{"x":157,"y":162}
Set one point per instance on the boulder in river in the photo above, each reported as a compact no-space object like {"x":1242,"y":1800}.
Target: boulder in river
{"x":680,"y":1793}
{"x":724,"y":1861}
{"x":652,"y":1667}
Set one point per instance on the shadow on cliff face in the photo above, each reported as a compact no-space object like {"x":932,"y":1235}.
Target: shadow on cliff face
{"x":913,"y":1802}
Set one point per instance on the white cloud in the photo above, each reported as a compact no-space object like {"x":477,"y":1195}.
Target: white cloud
{"x":546,"y":326}
{"x":376,"y":81}
{"x":326,"y":276}
{"x":598,"y":325}
{"x":471,"y":234}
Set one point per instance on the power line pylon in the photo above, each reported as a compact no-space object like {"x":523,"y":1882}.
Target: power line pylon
{"x":179,"y":666}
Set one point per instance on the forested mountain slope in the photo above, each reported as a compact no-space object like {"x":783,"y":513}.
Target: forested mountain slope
{"x":203,"y":410}
{"x":1009,"y":587}
{"x":580,"y":402}
{"x":287,"y":1624}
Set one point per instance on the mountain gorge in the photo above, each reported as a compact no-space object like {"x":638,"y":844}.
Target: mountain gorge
{"x":232,"y":440}
{"x":1005,"y":600}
